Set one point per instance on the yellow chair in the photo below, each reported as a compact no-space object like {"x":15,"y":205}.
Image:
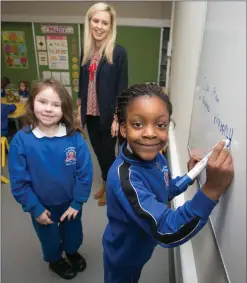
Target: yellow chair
{"x":4,"y":146}
{"x":4,"y":180}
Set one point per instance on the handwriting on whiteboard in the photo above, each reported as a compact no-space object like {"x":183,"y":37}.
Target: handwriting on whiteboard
{"x":225,"y":130}
{"x":210,"y":90}
{"x":210,"y":93}
{"x":206,"y":104}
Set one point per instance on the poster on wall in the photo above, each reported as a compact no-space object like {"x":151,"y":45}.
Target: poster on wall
{"x":61,"y":44}
{"x":42,"y":58}
{"x":65,"y":78}
{"x":14,"y":49}
{"x":57,"y":48}
{"x":57,"y":29}
{"x":56,"y":76}
{"x":46,"y":75}
{"x":41,"y":43}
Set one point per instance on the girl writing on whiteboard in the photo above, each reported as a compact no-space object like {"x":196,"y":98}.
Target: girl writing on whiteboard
{"x":103,"y":75}
{"x":139,"y":185}
{"x":51,"y":175}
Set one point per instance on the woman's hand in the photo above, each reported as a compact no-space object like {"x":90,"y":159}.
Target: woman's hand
{"x":114,"y":128}
{"x":78,"y":121}
{"x":78,"y":117}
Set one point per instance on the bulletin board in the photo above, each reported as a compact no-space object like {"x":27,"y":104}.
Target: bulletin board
{"x":18,"y":55}
{"x":57,"y":47}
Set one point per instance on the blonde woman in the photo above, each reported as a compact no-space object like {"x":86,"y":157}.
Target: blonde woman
{"x":103,"y":75}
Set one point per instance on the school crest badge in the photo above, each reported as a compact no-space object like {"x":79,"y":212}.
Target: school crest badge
{"x":166,"y":177}
{"x":70,"y":156}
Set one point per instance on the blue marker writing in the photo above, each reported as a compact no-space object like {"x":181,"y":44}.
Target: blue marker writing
{"x":188,"y":178}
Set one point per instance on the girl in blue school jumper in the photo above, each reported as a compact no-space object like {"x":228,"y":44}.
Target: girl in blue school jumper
{"x":6,"y":109}
{"x":4,"y":82}
{"x":23,"y":89}
{"x":139,"y":185}
{"x":51,"y":175}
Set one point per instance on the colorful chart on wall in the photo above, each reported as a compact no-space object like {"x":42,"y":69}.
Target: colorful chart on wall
{"x":57,"y":49}
{"x":58,"y":54}
{"x":14,"y":49}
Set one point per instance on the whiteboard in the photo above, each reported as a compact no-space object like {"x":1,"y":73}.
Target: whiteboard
{"x":219,"y":111}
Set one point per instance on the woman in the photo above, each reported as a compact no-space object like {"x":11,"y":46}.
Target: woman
{"x":103,"y":75}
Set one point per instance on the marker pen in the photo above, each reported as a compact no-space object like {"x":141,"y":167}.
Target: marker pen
{"x":188,"y":178}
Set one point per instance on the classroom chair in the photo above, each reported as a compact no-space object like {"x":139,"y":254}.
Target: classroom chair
{"x":4,"y":146}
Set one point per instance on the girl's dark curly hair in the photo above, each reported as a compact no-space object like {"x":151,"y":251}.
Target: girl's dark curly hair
{"x":128,"y":95}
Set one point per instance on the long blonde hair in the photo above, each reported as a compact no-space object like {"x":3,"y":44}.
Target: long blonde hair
{"x":88,"y":41}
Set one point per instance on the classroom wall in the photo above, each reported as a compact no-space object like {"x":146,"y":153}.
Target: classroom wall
{"x":135,"y":9}
{"x":137,"y":26}
{"x":187,"y":39}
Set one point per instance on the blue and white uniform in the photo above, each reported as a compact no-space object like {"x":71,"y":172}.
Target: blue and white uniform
{"x":6,"y":109}
{"x":52,"y":173}
{"x":139,"y":219}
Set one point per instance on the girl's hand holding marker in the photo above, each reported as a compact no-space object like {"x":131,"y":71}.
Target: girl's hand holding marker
{"x":220,"y":171}
{"x":219,"y":165}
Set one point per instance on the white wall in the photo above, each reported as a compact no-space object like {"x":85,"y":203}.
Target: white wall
{"x":187,"y":39}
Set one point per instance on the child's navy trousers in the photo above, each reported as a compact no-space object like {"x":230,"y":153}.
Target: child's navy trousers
{"x":126,"y":274}
{"x":61,"y":236}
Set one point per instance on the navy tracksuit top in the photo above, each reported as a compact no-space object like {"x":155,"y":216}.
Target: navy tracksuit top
{"x":137,"y":195}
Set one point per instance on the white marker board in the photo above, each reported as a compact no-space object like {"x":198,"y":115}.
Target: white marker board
{"x":219,"y":111}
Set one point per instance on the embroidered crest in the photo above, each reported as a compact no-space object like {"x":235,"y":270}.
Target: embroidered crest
{"x":165,"y":171}
{"x":70,"y":156}
{"x":166,"y":177}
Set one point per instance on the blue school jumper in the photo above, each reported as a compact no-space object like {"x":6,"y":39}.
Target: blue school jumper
{"x":24,"y":93}
{"x":5,"y":110}
{"x":52,"y":173}
{"x":3,"y":92}
{"x":139,"y":219}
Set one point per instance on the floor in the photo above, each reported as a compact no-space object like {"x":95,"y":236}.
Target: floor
{"x":21,"y":259}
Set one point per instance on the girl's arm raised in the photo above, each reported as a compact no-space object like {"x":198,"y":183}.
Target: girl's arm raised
{"x":168,"y":227}
{"x":174,"y":227}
